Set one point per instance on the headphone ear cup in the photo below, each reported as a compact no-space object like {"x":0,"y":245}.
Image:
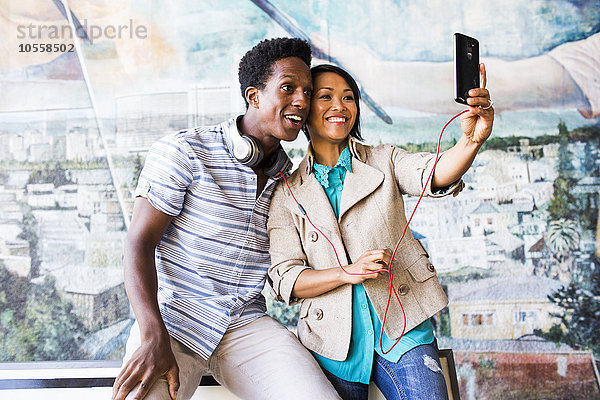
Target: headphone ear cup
{"x":248,"y":151}
{"x":278,"y":161}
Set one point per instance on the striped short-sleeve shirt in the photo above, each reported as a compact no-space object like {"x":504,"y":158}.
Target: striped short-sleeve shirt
{"x":212,"y":260}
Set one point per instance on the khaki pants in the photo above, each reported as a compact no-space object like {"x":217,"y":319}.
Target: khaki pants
{"x":260,"y":360}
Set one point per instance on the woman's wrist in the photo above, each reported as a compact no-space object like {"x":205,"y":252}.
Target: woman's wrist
{"x":468,"y":144}
{"x":342,"y":276}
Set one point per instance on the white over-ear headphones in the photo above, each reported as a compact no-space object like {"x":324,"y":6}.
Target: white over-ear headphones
{"x":248,"y":151}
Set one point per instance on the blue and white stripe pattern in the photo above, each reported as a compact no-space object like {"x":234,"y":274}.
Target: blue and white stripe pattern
{"x":213,"y":258}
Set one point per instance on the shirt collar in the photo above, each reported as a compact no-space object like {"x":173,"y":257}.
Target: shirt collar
{"x":229,"y":128}
{"x":353,"y":146}
{"x":322,"y":171}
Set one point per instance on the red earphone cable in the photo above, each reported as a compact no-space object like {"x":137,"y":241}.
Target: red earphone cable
{"x":389,"y":271}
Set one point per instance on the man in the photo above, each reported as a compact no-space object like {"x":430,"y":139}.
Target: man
{"x":197,"y":301}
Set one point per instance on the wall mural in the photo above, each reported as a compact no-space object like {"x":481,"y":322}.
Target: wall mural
{"x":87,"y":86}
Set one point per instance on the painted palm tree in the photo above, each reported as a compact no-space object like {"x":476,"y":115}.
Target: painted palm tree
{"x":598,"y":234}
{"x":562,"y":238}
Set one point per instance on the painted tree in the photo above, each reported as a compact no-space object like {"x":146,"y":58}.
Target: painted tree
{"x":138,"y":165}
{"x":36,"y":322}
{"x":589,"y":202}
{"x":562,"y":238}
{"x":562,"y":235}
{"x":287,"y":315}
{"x":579,"y":314}
{"x":590,"y":156}
{"x":57,"y":175}
{"x":563,"y":203}
{"x":29,"y":229}
{"x":565,"y":157}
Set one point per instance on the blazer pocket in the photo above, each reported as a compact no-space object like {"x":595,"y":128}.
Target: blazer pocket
{"x":304,"y":308}
{"x":421,"y":270}
{"x":304,"y":329}
{"x":410,"y":253}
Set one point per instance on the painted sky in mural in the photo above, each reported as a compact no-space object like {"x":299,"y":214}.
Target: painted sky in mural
{"x":400,"y":51}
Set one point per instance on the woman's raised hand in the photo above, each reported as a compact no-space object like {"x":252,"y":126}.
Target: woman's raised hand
{"x":370,"y":265}
{"x":477,"y":123}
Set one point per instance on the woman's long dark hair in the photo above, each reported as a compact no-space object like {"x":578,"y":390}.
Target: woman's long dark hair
{"x":319,"y":69}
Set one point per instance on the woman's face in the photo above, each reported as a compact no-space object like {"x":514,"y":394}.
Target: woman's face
{"x":332,"y":109}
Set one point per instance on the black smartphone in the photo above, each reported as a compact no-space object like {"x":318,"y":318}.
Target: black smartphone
{"x":466,"y":66}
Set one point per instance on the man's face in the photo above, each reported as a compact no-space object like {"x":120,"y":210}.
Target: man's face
{"x":284,"y":102}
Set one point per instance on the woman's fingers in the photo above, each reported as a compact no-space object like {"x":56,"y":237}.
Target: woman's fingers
{"x":478,"y":97}
{"x":378,"y":259}
{"x":373,"y":263}
{"x":382,"y":254}
{"x":479,"y":93}
{"x":482,"y":75}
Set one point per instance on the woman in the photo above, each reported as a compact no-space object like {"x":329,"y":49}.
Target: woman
{"x":353,"y":195}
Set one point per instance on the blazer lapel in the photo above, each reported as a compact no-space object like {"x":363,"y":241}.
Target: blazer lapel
{"x":312,"y":197}
{"x":358,"y":184}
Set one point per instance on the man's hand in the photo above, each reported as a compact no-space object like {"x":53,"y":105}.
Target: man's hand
{"x":152,"y":360}
{"x":477,"y":123}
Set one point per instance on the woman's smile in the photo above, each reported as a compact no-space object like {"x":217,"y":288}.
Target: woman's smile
{"x":333,"y":109}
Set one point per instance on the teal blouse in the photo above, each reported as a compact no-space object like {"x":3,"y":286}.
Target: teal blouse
{"x":366,"y":327}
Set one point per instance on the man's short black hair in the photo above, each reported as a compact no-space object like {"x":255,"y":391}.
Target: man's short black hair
{"x":256,"y":66}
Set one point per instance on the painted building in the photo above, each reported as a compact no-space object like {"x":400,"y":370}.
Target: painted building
{"x":501,"y":308}
{"x":97,"y":293}
{"x":454,"y":253}
{"x":41,"y":195}
{"x":143,"y":119}
{"x":441,"y":218}
{"x":528,"y":368}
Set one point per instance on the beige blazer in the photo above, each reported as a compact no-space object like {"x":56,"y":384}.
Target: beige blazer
{"x":372,"y":216}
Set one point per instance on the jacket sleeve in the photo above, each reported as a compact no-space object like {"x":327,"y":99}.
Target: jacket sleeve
{"x":412,"y":171}
{"x":288,"y":259}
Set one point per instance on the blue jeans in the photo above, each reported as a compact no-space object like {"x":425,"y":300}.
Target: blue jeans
{"x":416,"y":376}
